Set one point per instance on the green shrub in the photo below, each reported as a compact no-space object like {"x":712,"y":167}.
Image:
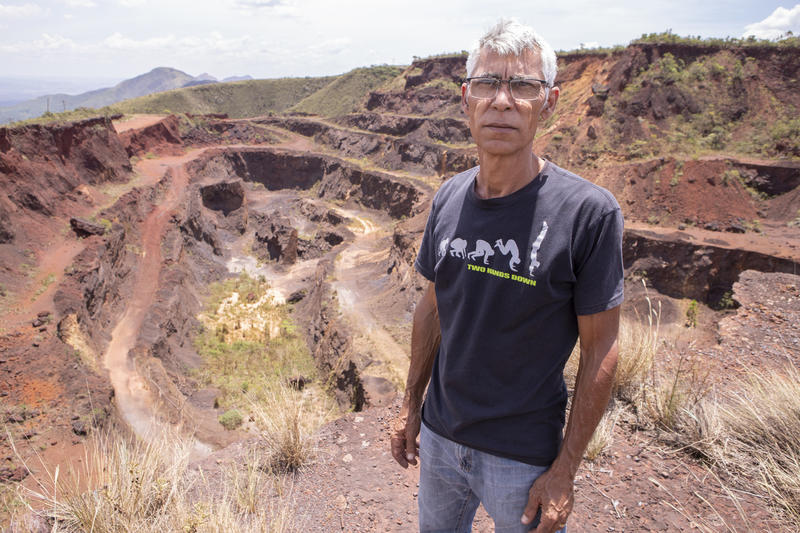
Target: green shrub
{"x":231,"y":419}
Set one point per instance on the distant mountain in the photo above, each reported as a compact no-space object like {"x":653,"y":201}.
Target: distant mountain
{"x":205,"y":76}
{"x":238,"y":78}
{"x":157,"y":80}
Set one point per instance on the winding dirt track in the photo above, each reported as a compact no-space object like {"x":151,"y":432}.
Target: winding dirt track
{"x":133,"y":397}
{"x":352,"y":287}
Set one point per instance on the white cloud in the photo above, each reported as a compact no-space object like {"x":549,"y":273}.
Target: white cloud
{"x":80,"y":3}
{"x":118,"y":41}
{"x":25,"y":10}
{"x":46,"y":43}
{"x":260,"y":3}
{"x":213,"y":44}
{"x":131,"y":3}
{"x":281,"y":8}
{"x":776,"y":25}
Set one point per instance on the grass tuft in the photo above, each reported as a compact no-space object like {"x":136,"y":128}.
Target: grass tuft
{"x":127,"y":485}
{"x":288,"y":422}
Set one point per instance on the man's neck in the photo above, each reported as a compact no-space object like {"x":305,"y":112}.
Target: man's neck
{"x":501,"y":175}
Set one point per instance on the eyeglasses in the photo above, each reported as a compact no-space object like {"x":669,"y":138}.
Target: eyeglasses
{"x":521,"y":88}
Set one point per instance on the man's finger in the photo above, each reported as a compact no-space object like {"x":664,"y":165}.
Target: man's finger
{"x":534,"y":501}
{"x":411,"y":450}
{"x":549,"y":522}
{"x":399,"y":450}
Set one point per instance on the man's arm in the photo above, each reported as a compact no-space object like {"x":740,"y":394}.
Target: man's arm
{"x":425,"y":337}
{"x":553,"y":490}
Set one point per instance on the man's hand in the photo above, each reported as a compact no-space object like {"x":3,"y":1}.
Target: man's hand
{"x":553,"y":492}
{"x":405,"y":447}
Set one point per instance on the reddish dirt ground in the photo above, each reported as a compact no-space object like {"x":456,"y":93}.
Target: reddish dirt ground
{"x":135,"y":122}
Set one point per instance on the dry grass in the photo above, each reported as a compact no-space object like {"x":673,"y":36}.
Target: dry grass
{"x":759,"y":436}
{"x":138,"y":486}
{"x":674,"y":392}
{"x":638,"y":344}
{"x":603,"y":435}
{"x":288,"y":421}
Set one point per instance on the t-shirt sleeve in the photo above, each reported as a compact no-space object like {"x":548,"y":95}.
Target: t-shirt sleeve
{"x":426,"y":257}
{"x":599,"y":272}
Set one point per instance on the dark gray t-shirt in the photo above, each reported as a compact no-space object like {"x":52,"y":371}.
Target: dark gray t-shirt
{"x":511,"y":276}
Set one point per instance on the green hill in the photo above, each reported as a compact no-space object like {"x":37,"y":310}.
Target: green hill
{"x":237,"y":100}
{"x":346,"y":93}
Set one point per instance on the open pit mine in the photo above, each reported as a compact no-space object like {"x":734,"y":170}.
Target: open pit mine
{"x":168,"y":281}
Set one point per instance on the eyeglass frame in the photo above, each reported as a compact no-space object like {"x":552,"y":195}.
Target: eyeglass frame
{"x":508,"y":81}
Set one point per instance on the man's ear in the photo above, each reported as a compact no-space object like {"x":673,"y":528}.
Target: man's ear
{"x":550,"y":104}
{"x":464,"y":102}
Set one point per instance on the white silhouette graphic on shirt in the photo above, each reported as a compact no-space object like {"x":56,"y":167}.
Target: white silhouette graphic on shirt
{"x":509,"y":247}
{"x":458,"y":248}
{"x":482,"y":248}
{"x":535,"y":248}
{"x":443,"y":247}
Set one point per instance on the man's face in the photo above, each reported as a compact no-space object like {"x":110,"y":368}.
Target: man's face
{"x":503,"y":125}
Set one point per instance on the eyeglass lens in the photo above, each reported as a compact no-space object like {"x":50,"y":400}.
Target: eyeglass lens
{"x":520,"y":89}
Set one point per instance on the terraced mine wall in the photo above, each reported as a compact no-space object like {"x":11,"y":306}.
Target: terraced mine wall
{"x":337,"y":179}
{"x":393,"y":142}
{"x":681,"y":269}
{"x":42,"y":166}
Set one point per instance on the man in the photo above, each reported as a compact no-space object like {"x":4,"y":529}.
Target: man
{"x":522,"y":257}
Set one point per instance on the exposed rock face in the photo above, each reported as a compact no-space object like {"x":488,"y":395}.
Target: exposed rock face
{"x":764,"y":327}
{"x":163,"y":137}
{"x":418,"y":97}
{"x":276,"y":239}
{"x":329,"y":342}
{"x":339,"y":180}
{"x":416,"y":144}
{"x":407,"y":283}
{"x":682,"y":269}
{"x":41,"y":165}
{"x":227,"y":197}
{"x":317,"y":213}
{"x":198,"y":224}
{"x":85,"y":228}
{"x":450,"y":130}
{"x":6,"y":231}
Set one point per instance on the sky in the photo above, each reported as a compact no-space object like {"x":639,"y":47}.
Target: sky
{"x":118,"y":39}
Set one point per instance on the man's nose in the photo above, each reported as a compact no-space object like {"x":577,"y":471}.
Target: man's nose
{"x":503,"y":98}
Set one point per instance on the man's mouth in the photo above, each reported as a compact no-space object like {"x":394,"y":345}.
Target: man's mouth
{"x":499,"y":125}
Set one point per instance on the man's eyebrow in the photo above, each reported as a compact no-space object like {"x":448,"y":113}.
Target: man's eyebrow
{"x":512,"y":77}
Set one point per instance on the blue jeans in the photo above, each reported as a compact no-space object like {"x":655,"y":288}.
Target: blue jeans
{"x":454,"y":479}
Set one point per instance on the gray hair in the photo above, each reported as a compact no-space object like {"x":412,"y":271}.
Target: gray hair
{"x":509,"y":37}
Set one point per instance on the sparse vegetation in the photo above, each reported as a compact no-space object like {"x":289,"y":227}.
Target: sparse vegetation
{"x":691,"y":314}
{"x":231,"y":419}
{"x":148,"y":487}
{"x":251,"y":349}
{"x":46,"y":282}
{"x":667,"y":37}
